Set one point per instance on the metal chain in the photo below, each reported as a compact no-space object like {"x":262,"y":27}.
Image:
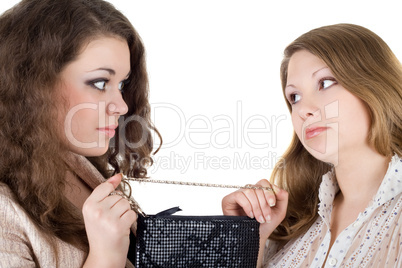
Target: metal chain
{"x":247,"y":186}
{"x":135,"y":206}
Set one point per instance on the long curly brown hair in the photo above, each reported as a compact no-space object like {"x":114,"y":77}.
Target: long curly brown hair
{"x":363,"y":64}
{"x":37,"y":39}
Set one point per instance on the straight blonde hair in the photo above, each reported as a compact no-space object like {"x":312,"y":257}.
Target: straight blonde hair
{"x":363,"y":64}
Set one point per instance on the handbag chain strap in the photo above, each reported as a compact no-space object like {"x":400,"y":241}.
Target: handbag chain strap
{"x":247,"y":186}
{"x":134,"y":205}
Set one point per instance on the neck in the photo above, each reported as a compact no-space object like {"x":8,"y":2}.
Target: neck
{"x":359,"y":174}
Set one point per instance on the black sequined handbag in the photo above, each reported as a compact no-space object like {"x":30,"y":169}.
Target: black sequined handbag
{"x":166,"y":240}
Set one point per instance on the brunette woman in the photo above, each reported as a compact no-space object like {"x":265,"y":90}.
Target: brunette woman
{"x":74,"y":110}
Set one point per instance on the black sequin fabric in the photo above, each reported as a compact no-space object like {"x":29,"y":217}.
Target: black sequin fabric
{"x":196,"y":241}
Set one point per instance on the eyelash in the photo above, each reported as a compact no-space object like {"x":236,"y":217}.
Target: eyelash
{"x":320,"y":82}
{"x":291,"y":97}
{"x":93,"y":83}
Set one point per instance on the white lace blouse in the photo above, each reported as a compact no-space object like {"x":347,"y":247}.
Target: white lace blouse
{"x":373,"y":240}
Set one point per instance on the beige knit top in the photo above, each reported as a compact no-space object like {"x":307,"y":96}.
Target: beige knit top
{"x":22,"y":244}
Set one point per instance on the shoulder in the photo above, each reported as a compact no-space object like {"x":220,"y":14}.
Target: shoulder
{"x":8,"y":204}
{"x":10,"y":207}
{"x":14,"y":241}
{"x":23,"y":244}
{"x":4,"y":190}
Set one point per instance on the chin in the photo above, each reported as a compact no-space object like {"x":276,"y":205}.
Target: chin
{"x":90,"y":152}
{"x":323,"y":149}
{"x":95,"y":153}
{"x":328,"y":156}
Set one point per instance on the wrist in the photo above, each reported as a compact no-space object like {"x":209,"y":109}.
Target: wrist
{"x":104,"y":261}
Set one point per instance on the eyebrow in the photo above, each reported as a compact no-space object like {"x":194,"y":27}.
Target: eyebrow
{"x":110,"y":71}
{"x":325,"y":67}
{"x":289,"y":86}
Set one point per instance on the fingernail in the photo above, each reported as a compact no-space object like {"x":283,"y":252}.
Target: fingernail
{"x":251,"y":215}
{"x":262,"y":220}
{"x":268,"y":218}
{"x":271,"y":202}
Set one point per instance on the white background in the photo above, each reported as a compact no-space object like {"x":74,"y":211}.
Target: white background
{"x":215,"y":88}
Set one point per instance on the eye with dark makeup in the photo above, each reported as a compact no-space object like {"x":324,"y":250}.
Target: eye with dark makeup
{"x":100,"y":84}
{"x":123,"y":84}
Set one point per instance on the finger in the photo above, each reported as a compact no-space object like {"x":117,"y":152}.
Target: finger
{"x":281,"y":202}
{"x":281,"y":195}
{"x":264,"y":205}
{"x":255,"y":204}
{"x":120,"y":207}
{"x":98,"y":209}
{"x":111,"y":200}
{"x":269,"y":194}
{"x":270,"y":198}
{"x":237,"y":204}
{"x":115,"y":180}
{"x":129,"y":218}
{"x":104,"y":189}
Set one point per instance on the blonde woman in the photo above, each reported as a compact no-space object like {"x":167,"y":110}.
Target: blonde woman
{"x":338,"y":190}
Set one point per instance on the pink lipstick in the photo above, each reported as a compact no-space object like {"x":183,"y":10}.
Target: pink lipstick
{"x":109,"y":130}
{"x":314,"y":131}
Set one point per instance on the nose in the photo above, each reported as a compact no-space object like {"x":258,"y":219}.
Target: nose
{"x":304,"y":114}
{"x":307,"y":109}
{"x":117,"y":106}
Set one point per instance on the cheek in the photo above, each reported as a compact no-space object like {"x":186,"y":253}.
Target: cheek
{"x":85,"y":118}
{"x":81,"y":119}
{"x":297,"y":123}
{"x":355,"y":112}
{"x":355,"y":122}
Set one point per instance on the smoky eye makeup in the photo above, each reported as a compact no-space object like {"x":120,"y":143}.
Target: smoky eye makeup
{"x":99,"y":83}
{"x":123,"y":84}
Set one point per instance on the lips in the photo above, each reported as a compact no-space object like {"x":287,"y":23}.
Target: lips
{"x":312,"y":132}
{"x":108,"y":131}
